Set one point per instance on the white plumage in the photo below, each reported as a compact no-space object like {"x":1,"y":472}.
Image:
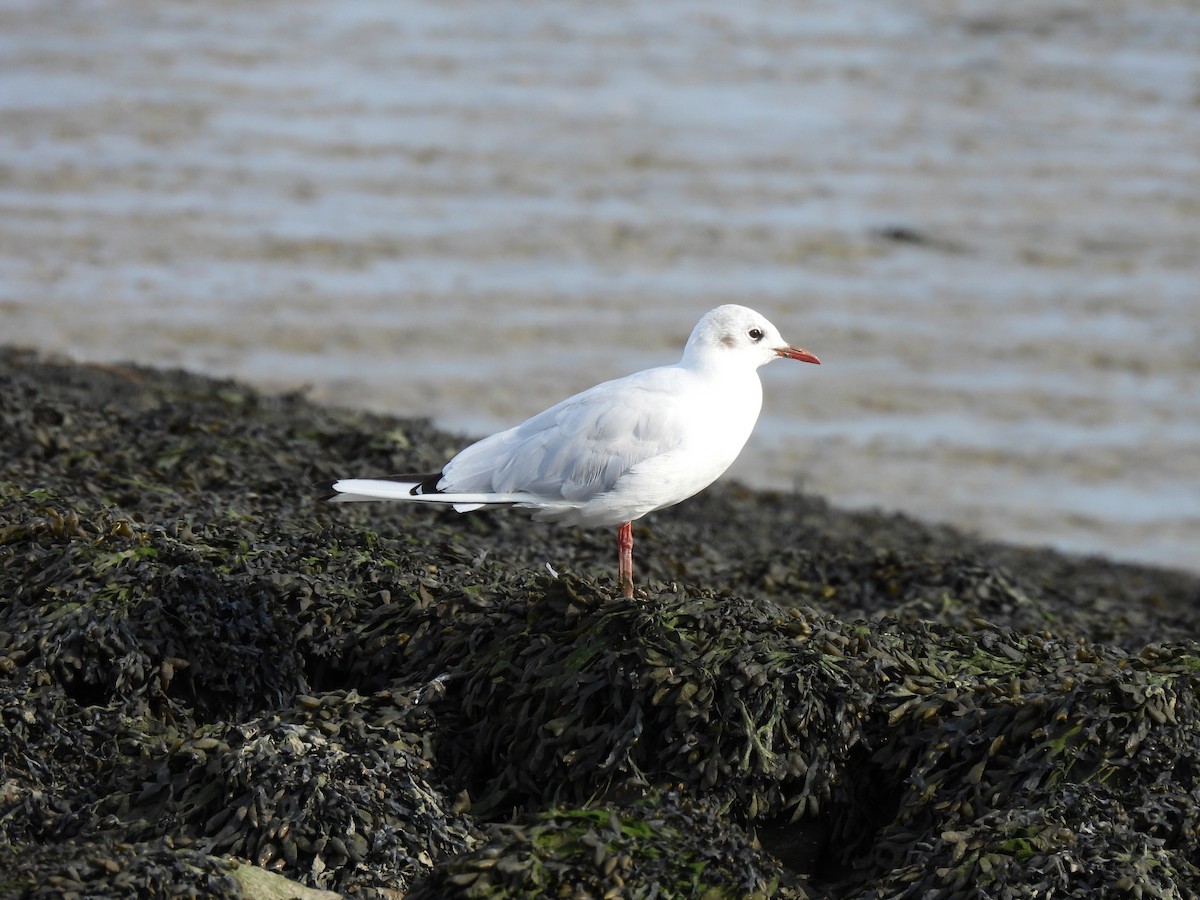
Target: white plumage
{"x":621,"y":449}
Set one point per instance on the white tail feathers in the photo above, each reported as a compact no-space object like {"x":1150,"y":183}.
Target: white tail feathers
{"x":353,"y":490}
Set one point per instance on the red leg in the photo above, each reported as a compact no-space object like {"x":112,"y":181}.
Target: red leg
{"x":625,"y":557}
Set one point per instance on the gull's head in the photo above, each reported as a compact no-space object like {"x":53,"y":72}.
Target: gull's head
{"x":738,"y":336}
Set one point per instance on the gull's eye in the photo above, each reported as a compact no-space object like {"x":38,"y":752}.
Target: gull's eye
{"x":756,"y":334}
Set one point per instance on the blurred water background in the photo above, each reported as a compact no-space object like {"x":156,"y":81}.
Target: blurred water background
{"x":983,"y":215}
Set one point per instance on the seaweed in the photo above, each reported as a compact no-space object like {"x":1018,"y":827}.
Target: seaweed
{"x":207,"y":672}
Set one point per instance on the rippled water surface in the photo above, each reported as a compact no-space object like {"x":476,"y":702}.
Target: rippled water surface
{"x":983,"y":216}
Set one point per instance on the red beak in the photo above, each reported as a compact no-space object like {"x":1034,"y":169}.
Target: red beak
{"x":797,"y":353}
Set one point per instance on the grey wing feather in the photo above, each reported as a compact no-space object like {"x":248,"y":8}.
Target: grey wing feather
{"x":576,"y":449}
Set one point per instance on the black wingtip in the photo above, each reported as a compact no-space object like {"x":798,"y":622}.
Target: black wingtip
{"x":425,"y":483}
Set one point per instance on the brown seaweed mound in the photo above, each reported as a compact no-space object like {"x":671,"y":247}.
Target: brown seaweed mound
{"x":112,"y":868}
{"x":202,"y":663}
{"x":665,"y":846}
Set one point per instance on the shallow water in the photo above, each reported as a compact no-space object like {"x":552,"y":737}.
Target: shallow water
{"x":983,"y":216}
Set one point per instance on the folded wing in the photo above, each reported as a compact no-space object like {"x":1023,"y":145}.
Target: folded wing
{"x":577,"y":449}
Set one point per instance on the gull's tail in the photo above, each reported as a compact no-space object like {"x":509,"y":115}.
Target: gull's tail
{"x":419,"y":488}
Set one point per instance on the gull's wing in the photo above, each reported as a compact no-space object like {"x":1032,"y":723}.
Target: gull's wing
{"x":580,"y":447}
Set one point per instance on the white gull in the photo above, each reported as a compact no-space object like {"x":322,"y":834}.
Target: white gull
{"x":621,"y":449}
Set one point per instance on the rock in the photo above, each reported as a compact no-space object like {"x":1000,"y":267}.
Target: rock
{"x":259,"y":884}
